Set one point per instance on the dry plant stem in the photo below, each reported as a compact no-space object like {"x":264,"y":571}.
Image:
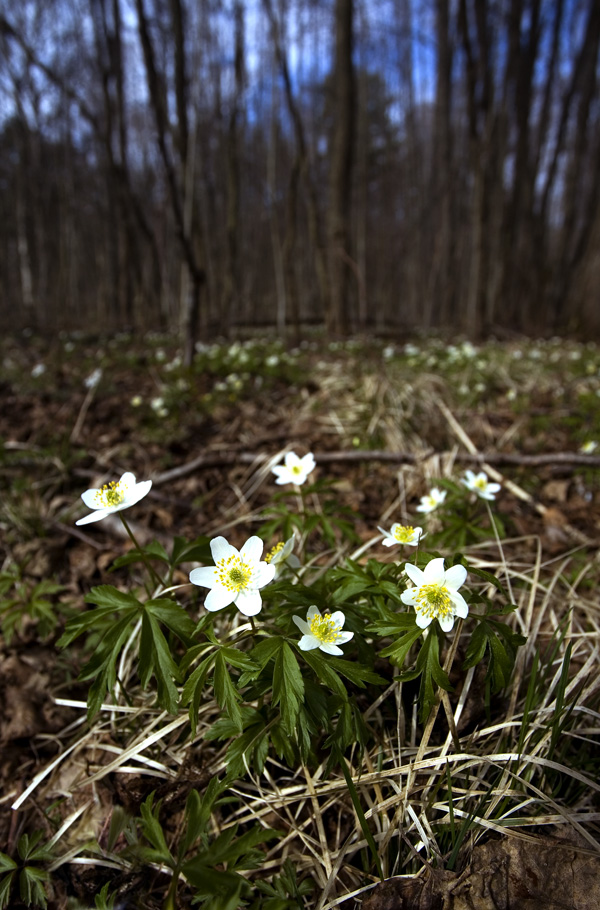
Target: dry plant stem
{"x":153,"y":573}
{"x":74,"y":437}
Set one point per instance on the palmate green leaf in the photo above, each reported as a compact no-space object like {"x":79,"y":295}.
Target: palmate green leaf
{"x":102,"y":666}
{"x":108,"y":600}
{"x":31,"y":886}
{"x":173,"y":616}
{"x":5,"y":889}
{"x":152,"y":830}
{"x":355,"y":672}
{"x":155,"y":658}
{"x":428,"y":667}
{"x":392,"y":624}
{"x":225,"y":692}
{"x":325,"y":673}
{"x":191,"y":551}
{"x":260,"y":655}
{"x":194,"y":687}
{"x":249,"y":751}
{"x":487,"y":576}
{"x":501,"y":644}
{"x":153,"y":550}
{"x":198,"y":811}
{"x":288,"y":686}
{"x":399,"y":650}
{"x":6,"y":863}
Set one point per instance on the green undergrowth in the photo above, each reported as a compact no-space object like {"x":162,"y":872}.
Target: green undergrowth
{"x":373,"y":699}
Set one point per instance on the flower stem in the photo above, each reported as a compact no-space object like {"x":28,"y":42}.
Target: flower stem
{"x":152,"y":571}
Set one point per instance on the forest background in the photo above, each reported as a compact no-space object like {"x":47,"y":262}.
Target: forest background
{"x":389,"y":166}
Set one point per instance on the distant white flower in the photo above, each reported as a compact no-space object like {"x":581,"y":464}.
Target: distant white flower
{"x":281,"y":555}
{"x":272,"y":360}
{"x":113,"y":497}
{"x":38,"y":370}
{"x":589,"y":447}
{"x":480,"y":485}
{"x":294,"y":469}
{"x":388,"y":352}
{"x":136,"y":401}
{"x":324,"y":632}
{"x":435,"y":593}
{"x":434,"y":498}
{"x":398,"y":533}
{"x":91,"y":381}
{"x":411,"y":350}
{"x":236,"y":576}
{"x":158,"y":406}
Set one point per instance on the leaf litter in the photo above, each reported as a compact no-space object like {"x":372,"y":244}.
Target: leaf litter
{"x":512,"y":841}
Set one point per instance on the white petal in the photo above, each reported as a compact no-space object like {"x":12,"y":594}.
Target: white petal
{"x":308,"y":463}
{"x":338,"y":618}
{"x":249,"y":602}
{"x":308,"y":643}
{"x":312,"y":612}
{"x":330,"y":649}
{"x":414,"y":573}
{"x":461,"y":607}
{"x":292,"y":460}
{"x":434,"y":571}
{"x":263,"y":574}
{"x":205,"y":576}
{"x":89,"y":498}
{"x":343,"y":637}
{"x":455,"y":576}
{"x":408,"y":597}
{"x":138,"y":492}
{"x":422,"y":620}
{"x":389,"y":542}
{"x":446,"y":622}
{"x":218,"y":598}
{"x":302,"y":625}
{"x":282,"y":474}
{"x":252,"y":550}
{"x":94,"y":516}
{"x":127,"y":480}
{"x":221,"y":549}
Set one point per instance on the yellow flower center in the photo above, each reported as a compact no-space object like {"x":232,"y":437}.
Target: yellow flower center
{"x":325,"y":629}
{"x":434,"y":601}
{"x":296,"y":469}
{"x":481,"y":483}
{"x":233,"y":573}
{"x":110,"y":495}
{"x":276,"y":549}
{"x":404,"y":533}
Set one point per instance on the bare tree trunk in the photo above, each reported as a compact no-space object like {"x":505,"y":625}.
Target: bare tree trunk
{"x":312,"y":208}
{"x":340,"y":184}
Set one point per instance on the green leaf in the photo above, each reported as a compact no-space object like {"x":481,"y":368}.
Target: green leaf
{"x":399,"y":650}
{"x":325,"y":673}
{"x":152,"y":829}
{"x":5,"y":889}
{"x":225,"y":691}
{"x":153,"y":550}
{"x":288,"y":686}
{"x":191,"y":551}
{"x":31,"y":886}
{"x":108,"y":596}
{"x":165,"y":668}
{"x":194,"y":686}
{"x":355,"y":672}
{"x":173,"y":616}
{"x":6,"y":863}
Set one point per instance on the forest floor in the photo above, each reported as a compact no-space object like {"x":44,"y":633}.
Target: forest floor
{"x":385,"y":423}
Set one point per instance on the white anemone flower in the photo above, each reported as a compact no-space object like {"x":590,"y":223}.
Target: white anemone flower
{"x":236,"y":576}
{"x":281,"y":555}
{"x":432,"y":500}
{"x":294,"y":469}
{"x":324,"y":632}
{"x":113,"y":497}
{"x":480,"y":485}
{"x":398,"y":533}
{"x":435,"y":593}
